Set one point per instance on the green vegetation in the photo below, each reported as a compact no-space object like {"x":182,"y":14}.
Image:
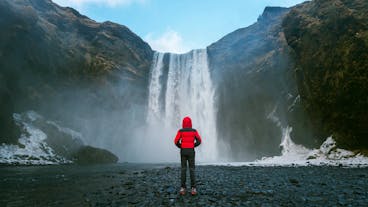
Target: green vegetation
{"x":330,"y":41}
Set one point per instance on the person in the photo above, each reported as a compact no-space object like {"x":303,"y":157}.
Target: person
{"x":187,"y":139}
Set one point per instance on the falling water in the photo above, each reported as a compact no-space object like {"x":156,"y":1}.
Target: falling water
{"x":187,"y":91}
{"x":155,"y":87}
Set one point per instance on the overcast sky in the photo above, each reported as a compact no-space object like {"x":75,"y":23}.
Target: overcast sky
{"x":177,"y":25}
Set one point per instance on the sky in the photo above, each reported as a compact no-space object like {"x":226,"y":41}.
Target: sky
{"x":177,"y":25}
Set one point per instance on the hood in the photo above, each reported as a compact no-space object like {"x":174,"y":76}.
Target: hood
{"x":187,"y":122}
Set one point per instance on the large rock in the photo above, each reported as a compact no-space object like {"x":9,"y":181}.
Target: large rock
{"x":330,"y":41}
{"x":92,"y":155}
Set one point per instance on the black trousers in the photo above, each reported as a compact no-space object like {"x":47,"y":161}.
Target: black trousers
{"x":187,"y":155}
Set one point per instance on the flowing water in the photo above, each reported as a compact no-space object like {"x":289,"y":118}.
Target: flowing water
{"x":186,"y":90}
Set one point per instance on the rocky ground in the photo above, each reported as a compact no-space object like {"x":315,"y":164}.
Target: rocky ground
{"x":158,"y":185}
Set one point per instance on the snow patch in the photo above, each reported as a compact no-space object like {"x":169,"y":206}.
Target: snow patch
{"x":74,"y":134}
{"x":327,"y":154}
{"x":32,"y":148}
{"x":297,"y":155}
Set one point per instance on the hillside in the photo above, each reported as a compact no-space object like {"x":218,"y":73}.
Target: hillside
{"x":68,"y":68}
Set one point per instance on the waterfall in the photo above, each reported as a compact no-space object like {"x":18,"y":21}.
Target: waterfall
{"x":186,"y":90}
{"x":155,"y":87}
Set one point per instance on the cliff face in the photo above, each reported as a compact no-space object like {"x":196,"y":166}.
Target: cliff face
{"x":330,"y":44}
{"x":257,"y":94}
{"x":305,"y":67}
{"x":45,"y":50}
{"x":69,"y":68}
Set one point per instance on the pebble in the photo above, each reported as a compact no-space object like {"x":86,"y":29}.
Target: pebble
{"x":216,"y":185}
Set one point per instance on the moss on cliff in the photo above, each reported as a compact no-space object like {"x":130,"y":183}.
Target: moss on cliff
{"x":330,"y":40}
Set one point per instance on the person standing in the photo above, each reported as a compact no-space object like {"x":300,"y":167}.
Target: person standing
{"x":187,"y":139}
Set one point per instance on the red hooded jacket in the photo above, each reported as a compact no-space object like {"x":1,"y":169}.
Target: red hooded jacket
{"x":187,"y":137}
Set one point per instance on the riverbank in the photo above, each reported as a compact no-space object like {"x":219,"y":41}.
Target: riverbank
{"x":158,"y":185}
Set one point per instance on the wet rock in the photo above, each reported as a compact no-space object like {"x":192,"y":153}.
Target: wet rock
{"x":293,"y":181}
{"x":133,"y":201}
{"x":129,"y":183}
{"x":311,"y":157}
{"x":170,"y":190}
{"x":92,"y":155}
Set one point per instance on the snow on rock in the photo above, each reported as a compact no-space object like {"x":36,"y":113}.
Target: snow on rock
{"x":32,"y":148}
{"x":327,"y":154}
{"x":297,"y":155}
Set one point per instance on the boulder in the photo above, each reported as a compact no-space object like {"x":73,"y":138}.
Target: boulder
{"x":93,"y":155}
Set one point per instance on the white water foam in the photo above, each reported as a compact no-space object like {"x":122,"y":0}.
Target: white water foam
{"x":32,"y":149}
{"x":297,"y":155}
{"x":188,"y":91}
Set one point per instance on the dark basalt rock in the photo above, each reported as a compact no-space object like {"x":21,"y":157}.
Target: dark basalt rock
{"x":92,"y":155}
{"x":330,"y":41}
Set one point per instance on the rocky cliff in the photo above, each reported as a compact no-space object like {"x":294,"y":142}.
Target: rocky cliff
{"x":257,"y":94}
{"x":69,"y":68}
{"x":304,"y":67}
{"x":330,"y":45}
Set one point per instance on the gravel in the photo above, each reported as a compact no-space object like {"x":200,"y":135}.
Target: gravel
{"x":158,"y":185}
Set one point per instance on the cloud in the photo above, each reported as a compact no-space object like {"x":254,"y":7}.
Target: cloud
{"x":110,"y":3}
{"x":169,"y":41}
